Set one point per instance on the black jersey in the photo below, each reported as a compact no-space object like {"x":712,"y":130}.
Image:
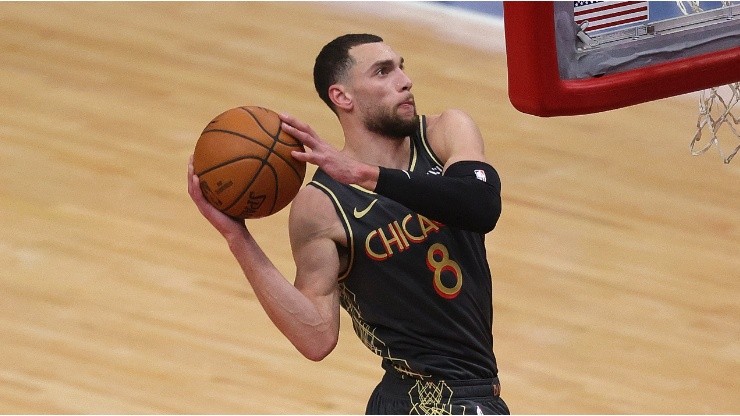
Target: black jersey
{"x":418,"y":291}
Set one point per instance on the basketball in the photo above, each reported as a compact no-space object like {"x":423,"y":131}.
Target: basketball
{"x":243,"y":161}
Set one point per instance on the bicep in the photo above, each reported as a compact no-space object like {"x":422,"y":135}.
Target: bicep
{"x":317,"y":267}
{"x":314,"y":247}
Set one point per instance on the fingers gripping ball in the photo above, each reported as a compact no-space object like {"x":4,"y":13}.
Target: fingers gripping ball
{"x":244,"y":164}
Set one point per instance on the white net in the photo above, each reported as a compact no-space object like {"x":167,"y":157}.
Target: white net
{"x":717,"y":125}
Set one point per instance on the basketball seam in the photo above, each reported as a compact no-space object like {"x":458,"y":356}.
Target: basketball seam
{"x":227,"y":162}
{"x":255,"y":141}
{"x":254,"y":178}
{"x":249,"y":184}
{"x":275,"y":138}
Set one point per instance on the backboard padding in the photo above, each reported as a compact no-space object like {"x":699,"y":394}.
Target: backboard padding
{"x":536,"y":86}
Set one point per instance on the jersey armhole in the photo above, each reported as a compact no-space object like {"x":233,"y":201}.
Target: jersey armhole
{"x":345,"y":224}
{"x":424,"y":141}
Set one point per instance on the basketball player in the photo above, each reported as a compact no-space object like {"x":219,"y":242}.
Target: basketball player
{"x":391,"y":228}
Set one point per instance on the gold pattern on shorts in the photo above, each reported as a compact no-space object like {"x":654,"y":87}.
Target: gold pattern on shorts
{"x":431,"y":398}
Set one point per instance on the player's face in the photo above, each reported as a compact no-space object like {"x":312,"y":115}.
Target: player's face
{"x":382,"y":91}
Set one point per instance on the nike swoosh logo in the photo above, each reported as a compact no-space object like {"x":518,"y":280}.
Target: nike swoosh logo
{"x":360,"y":214}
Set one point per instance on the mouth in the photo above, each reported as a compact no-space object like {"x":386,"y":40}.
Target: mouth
{"x":407,"y":104}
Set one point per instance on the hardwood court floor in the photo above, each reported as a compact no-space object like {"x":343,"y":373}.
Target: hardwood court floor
{"x":616,"y":262}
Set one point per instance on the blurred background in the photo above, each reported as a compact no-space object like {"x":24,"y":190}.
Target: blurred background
{"x":615,"y":262}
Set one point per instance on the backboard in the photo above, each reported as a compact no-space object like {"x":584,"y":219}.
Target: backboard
{"x":569,"y":58}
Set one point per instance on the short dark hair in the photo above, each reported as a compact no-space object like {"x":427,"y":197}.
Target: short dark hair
{"x":333,"y":62}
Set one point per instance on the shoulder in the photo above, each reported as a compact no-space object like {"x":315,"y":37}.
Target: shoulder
{"x":453,"y":134}
{"x":450,"y":119}
{"x":313,"y":216}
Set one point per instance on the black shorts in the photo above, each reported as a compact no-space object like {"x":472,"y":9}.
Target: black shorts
{"x":396,"y":396}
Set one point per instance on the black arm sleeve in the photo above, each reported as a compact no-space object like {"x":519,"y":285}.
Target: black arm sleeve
{"x":467,"y":196}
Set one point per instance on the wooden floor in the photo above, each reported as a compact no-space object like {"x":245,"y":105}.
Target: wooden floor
{"x":616,"y":262}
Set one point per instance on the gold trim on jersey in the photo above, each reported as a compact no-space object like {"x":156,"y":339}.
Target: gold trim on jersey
{"x":359,"y":188}
{"x":414,"y":152}
{"x":425,"y":142}
{"x":347,"y":227}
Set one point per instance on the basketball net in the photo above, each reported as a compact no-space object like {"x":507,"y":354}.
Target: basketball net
{"x":716,"y":126}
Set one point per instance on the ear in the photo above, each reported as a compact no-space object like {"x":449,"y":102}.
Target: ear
{"x":340,"y":97}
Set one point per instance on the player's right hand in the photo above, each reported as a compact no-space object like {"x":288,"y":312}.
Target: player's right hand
{"x":228,"y":226}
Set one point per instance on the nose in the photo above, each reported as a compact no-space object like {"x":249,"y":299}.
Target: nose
{"x":404,"y":82}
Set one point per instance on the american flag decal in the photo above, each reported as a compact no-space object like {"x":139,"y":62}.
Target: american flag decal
{"x":609,"y":14}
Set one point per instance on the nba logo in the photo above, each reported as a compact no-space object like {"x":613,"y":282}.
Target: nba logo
{"x":480,"y":175}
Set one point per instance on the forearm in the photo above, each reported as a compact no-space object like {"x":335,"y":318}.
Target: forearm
{"x":309,"y":328}
{"x":461,"y":198}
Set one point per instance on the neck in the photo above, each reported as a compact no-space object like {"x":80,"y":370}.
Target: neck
{"x":375,"y":149}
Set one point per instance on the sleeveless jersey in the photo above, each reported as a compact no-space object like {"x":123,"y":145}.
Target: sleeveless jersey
{"x":418,"y":291}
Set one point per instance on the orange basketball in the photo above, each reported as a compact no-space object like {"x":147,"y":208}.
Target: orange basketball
{"x":244,"y":164}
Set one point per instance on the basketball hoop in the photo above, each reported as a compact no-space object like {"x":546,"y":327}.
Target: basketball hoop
{"x":717,"y":119}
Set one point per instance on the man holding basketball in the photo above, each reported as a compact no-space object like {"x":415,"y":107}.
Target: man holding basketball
{"x":391,"y":228}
